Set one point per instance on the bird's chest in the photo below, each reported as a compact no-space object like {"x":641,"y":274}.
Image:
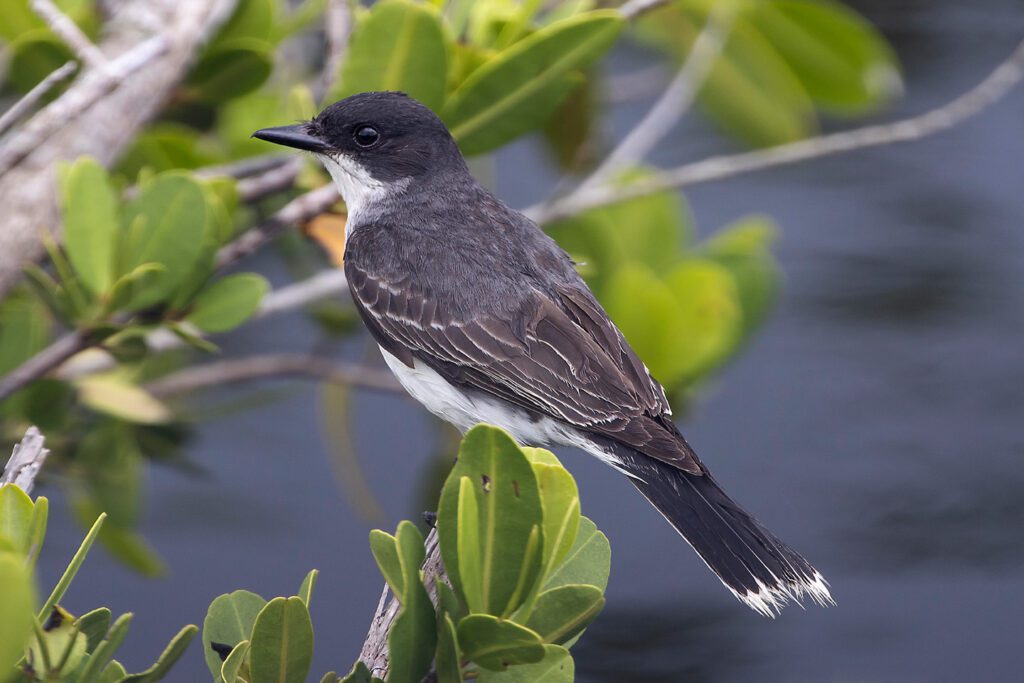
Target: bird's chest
{"x":465,"y":410}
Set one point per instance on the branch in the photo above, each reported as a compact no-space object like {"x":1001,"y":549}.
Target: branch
{"x":300,"y":209}
{"x":338,"y":26}
{"x":375,"y":648}
{"x":992,"y":89}
{"x":675,"y":101}
{"x":68,"y":31}
{"x":245,"y":168}
{"x":23,"y":106}
{"x":43,"y":362}
{"x":99,"y":114}
{"x":270,"y":181}
{"x":634,"y":8}
{"x":272,"y":365}
{"x":93,"y":87}
{"x":26,"y":461}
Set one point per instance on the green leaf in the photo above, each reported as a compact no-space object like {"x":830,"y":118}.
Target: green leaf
{"x":560,"y":500}
{"x":398,"y":45}
{"x":114,"y":673}
{"x":307,"y":586}
{"x":103,"y":653}
{"x":659,"y":227}
{"x":413,"y":636}
{"x":495,"y":643}
{"x":167,"y":225}
{"x":588,"y":562}
{"x":171,"y":654}
{"x":232,"y":69}
{"x":563,"y":612}
{"x":72,"y":569}
{"x":251,"y":19}
{"x":556,"y":667}
{"x":59,"y":645}
{"x":447,"y":662}
{"x":24,"y":329}
{"x":842,"y":62}
{"x":281,"y":647}
{"x":228,"y":302}
{"x":231,"y":667}
{"x":91,"y":222}
{"x":165,"y":146}
{"x":508,"y":539}
{"x":384,"y":547}
{"x":16,"y":511}
{"x":94,"y":626}
{"x":115,"y":396}
{"x":358,"y":674}
{"x":37,"y":529}
{"x":17,"y":596}
{"x":743,"y":248}
{"x":519,"y":89}
{"x":229,"y":621}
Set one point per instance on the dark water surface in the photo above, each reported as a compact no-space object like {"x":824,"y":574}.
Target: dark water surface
{"x":876,"y":424}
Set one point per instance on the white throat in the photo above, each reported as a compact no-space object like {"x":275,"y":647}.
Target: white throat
{"x":357,"y":187}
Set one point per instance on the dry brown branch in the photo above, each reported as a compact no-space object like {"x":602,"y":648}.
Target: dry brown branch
{"x":26,"y":461}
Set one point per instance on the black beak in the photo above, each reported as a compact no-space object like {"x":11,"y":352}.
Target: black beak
{"x":292,"y":136}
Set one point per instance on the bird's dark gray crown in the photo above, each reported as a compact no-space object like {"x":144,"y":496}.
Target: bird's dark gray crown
{"x":413,"y":140}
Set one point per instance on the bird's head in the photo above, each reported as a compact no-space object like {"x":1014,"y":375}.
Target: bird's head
{"x":373,"y":143}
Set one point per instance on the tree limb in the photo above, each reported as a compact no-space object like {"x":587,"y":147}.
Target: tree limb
{"x":26,"y":461}
{"x":992,"y":89}
{"x":264,"y":366}
{"x":97,"y":116}
{"x":338,"y":27}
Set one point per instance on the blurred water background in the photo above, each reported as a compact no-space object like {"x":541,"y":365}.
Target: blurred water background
{"x":875,"y":424}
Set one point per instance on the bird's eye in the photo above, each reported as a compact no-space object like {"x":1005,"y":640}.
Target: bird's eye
{"x":365,"y":136}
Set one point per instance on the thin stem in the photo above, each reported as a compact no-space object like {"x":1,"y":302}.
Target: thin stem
{"x":23,"y":106}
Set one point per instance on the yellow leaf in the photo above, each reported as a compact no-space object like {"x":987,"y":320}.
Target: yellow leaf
{"x":116,"y":397}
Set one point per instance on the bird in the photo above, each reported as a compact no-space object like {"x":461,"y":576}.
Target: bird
{"x":483,"y":318}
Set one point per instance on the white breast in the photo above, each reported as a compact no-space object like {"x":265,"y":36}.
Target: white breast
{"x":463,"y":410}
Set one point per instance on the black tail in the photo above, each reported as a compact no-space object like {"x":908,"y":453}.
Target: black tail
{"x":758,"y":568}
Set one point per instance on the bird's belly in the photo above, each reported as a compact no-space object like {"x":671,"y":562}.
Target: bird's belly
{"x":464,"y":410}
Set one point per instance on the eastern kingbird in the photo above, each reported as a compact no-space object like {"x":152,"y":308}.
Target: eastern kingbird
{"x":483,"y":318}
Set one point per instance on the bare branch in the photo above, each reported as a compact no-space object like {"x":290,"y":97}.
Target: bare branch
{"x":271,"y":181}
{"x":992,"y":89}
{"x":245,"y":168}
{"x":93,"y":86}
{"x":97,"y":116}
{"x":634,"y":8}
{"x":338,"y":26}
{"x":69,"y":32}
{"x":324,"y":284}
{"x":33,"y":96}
{"x":224,"y":372}
{"x":675,"y":101}
{"x":43,"y":362}
{"x":300,"y":209}
{"x":26,"y":461}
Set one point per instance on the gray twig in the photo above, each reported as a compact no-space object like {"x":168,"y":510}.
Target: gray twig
{"x":27,"y":103}
{"x":26,"y":461}
{"x":69,"y":32}
{"x":675,"y":101}
{"x":989,"y":91}
{"x":219,"y":373}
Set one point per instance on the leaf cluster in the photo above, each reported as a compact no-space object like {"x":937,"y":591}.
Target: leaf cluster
{"x":47,"y":643}
{"x":525,"y":571}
